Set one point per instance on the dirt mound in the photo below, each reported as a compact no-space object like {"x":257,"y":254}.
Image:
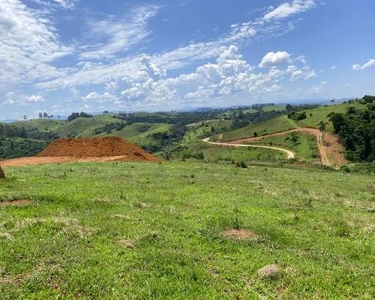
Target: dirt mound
{"x":2,"y":174}
{"x":97,"y":147}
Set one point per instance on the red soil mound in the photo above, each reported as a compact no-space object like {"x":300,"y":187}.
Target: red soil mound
{"x":97,"y":147}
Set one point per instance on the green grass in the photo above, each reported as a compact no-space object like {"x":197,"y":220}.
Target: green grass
{"x":87,"y":235}
{"x":315,"y":115}
{"x":85,"y":127}
{"x":135,"y":133}
{"x":196,"y":133}
{"x":278,"y":124}
{"x":303,"y":145}
{"x":42,"y":125}
{"x":217,"y":154}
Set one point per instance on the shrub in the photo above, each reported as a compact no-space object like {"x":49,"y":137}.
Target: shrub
{"x":241,"y":164}
{"x":2,"y":174}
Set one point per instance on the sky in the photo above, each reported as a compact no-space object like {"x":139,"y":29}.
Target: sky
{"x":60,"y":56}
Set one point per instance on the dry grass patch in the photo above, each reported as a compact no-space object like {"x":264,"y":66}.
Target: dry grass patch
{"x":128,"y":244}
{"x":239,"y":234}
{"x":22,"y":202}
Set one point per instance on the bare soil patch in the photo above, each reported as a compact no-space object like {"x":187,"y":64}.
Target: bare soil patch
{"x":22,"y":202}
{"x":239,"y":234}
{"x":96,"y":147}
{"x":107,"y":149}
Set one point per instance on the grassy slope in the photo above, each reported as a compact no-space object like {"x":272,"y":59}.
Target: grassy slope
{"x":320,"y":114}
{"x":40,"y":124}
{"x":281,"y":123}
{"x":84,"y":127}
{"x":304,"y":148}
{"x":76,"y":241}
{"x":141,"y":138}
{"x":248,"y":155}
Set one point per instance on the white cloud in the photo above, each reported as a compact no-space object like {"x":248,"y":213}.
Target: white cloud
{"x":320,"y":89}
{"x":171,"y":60}
{"x":230,"y":75}
{"x":34,"y":99}
{"x":120,"y":34}
{"x":12,"y":98}
{"x":272,"y":59}
{"x":288,"y":9}
{"x":99,"y":98}
{"x":369,"y":64}
{"x":65,"y":4}
{"x":28,"y":44}
{"x":333,"y":68}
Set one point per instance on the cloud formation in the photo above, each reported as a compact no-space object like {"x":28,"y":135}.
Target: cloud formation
{"x":272,"y":59}
{"x":287,"y":9}
{"x":367,"y":65}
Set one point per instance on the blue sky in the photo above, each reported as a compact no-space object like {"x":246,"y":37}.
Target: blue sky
{"x":61,"y":56}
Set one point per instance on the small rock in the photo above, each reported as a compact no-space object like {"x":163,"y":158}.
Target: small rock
{"x":270,"y":272}
{"x":141,"y":205}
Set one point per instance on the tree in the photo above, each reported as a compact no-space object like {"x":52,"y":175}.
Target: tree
{"x":45,"y":115}
{"x":40,"y":115}
{"x":322,"y":126}
{"x":24,"y":117}
{"x":289,"y":107}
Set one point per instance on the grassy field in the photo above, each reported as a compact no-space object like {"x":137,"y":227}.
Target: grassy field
{"x":153,"y":231}
{"x":303,"y":145}
{"x":281,"y":123}
{"x":217,"y":154}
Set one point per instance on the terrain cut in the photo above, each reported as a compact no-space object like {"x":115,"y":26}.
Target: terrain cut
{"x":86,"y":150}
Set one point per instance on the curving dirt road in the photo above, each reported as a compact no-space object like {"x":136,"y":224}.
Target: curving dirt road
{"x":330,"y":149}
{"x":289,"y":153}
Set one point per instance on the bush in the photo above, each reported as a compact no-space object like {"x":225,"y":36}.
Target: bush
{"x":2,"y":174}
{"x":241,"y":164}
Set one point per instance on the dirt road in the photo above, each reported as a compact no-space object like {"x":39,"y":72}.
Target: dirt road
{"x":330,"y":149}
{"x":289,"y":153}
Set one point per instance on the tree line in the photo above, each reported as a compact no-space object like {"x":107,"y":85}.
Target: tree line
{"x":356,"y":128}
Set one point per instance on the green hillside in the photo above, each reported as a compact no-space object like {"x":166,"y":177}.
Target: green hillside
{"x":42,"y":125}
{"x":85,"y":127}
{"x":281,"y":123}
{"x":303,"y":145}
{"x":140,"y":133}
{"x":315,"y":115}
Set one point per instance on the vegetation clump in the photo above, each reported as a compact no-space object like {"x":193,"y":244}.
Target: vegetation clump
{"x":269,"y":272}
{"x":2,"y":174}
{"x":356,"y":129}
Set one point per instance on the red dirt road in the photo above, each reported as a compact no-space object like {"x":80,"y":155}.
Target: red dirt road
{"x":330,"y":149}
